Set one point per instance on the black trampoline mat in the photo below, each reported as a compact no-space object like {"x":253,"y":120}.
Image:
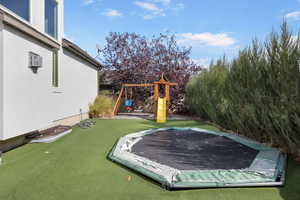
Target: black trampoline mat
{"x":192,"y":150}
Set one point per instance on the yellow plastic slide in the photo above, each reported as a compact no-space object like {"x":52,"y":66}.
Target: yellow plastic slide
{"x":161,"y":110}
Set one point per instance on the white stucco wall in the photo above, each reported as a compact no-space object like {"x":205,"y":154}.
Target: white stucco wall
{"x":26,"y":95}
{"x":30,"y":101}
{"x":78,"y":84}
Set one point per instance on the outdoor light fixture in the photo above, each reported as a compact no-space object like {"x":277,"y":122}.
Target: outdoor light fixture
{"x":35,"y":62}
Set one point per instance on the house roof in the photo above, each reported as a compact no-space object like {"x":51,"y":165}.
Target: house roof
{"x":80,"y":53}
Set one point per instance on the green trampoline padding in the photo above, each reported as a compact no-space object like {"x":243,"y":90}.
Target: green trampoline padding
{"x":199,"y":158}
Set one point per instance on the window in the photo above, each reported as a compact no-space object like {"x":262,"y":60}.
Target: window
{"x":20,"y":7}
{"x":55,"y":69}
{"x":51,"y":17}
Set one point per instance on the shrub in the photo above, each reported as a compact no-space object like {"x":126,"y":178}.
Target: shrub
{"x":256,"y":94}
{"x":101,"y":107}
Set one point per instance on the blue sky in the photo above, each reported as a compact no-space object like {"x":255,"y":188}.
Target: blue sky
{"x":211,"y":27}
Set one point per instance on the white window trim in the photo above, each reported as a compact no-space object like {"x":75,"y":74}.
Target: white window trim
{"x":14,"y":17}
{"x":57,"y":23}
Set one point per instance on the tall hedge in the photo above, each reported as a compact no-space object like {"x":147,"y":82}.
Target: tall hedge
{"x":257,"y":93}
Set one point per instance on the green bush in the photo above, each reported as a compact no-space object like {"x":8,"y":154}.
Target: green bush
{"x":256,"y":94}
{"x":101,"y":107}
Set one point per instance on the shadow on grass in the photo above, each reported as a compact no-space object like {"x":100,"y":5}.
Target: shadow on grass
{"x":291,"y":190}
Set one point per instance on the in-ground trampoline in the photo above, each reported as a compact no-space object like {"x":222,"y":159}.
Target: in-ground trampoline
{"x":198,"y":158}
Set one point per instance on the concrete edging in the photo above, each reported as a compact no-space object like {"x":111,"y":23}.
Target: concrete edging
{"x":50,"y":139}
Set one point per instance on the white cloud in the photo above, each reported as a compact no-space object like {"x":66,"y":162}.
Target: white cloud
{"x":152,"y":9}
{"x":88,"y":2}
{"x":206,"y":39}
{"x":179,"y":6}
{"x":156,"y":8}
{"x":148,"y":6}
{"x":164,"y":2}
{"x":203,"y":62}
{"x":91,"y":2}
{"x":293,"y":15}
{"x":112,"y":13}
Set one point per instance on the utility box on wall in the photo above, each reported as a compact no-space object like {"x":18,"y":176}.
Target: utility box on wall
{"x":35,"y":62}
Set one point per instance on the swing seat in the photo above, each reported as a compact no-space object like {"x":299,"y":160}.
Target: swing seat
{"x":129,"y":103}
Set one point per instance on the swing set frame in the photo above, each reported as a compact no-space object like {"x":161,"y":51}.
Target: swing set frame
{"x":156,"y":86}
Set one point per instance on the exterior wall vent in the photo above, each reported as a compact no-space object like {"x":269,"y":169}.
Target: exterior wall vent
{"x":35,"y":62}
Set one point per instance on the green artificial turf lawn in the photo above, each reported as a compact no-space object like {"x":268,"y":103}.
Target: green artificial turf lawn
{"x":75,"y":167}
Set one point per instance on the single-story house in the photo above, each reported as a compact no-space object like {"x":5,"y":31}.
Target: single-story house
{"x":45,"y":79}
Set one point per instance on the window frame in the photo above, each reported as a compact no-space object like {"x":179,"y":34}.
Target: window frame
{"x":46,"y":25}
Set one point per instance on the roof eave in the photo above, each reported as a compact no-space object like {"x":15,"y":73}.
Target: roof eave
{"x":80,"y":53}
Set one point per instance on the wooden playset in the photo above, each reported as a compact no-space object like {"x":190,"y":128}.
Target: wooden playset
{"x":161,"y":101}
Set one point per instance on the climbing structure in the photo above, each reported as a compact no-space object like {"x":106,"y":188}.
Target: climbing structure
{"x":162,"y":97}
